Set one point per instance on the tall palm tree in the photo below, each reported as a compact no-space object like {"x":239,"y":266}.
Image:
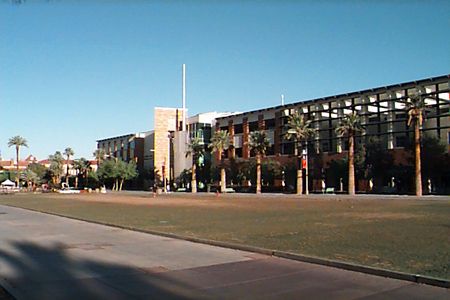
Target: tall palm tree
{"x":220,"y":142}
{"x":18,"y":142}
{"x":82,"y":167}
{"x":299,"y":130}
{"x":258,"y":142}
{"x":56,"y":166}
{"x":196,"y":149}
{"x":415,"y":106}
{"x":99,"y":155}
{"x":350,"y":125}
{"x":68,"y":152}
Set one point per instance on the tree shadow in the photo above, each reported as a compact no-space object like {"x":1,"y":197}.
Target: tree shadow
{"x":31,"y":271}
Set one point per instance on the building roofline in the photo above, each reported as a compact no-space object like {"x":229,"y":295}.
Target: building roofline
{"x":350,"y":94}
{"x":130,"y":135}
{"x":169,"y":108}
{"x":117,"y":137}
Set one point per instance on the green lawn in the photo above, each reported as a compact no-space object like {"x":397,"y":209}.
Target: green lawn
{"x":402,"y":234}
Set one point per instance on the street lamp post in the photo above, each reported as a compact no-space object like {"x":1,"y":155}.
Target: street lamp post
{"x":163,"y":167}
{"x":305,"y":155}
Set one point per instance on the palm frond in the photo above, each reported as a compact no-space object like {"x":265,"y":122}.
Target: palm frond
{"x":259,"y":142}
{"x":220,"y":141}
{"x":350,"y":124}
{"x":298,"y":128}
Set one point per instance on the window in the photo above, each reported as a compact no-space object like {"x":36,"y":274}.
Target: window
{"x":238,"y":152}
{"x":238,"y":129}
{"x":287,"y":148}
{"x":270,"y":123}
{"x":400,"y":141}
{"x":253,"y":126}
{"x":325,"y":146}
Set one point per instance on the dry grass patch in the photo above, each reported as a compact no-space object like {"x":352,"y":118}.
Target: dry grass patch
{"x":404,"y":234}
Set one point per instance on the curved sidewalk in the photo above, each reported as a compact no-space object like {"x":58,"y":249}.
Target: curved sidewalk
{"x":49,"y":257}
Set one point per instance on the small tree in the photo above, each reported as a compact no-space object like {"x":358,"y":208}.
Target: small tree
{"x":196,"y":149}
{"x":31,"y":178}
{"x":258,"y":142}
{"x":220,"y":142}
{"x":68,"y":152}
{"x":299,"y":130}
{"x":17,"y":141}
{"x":435,"y":163}
{"x":38,"y":169}
{"x":350,"y":125}
{"x":377,"y":162}
{"x":126,"y":171}
{"x":108,"y":171}
{"x":415,"y":106}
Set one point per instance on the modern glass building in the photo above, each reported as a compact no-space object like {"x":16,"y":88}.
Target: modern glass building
{"x":382,"y":111}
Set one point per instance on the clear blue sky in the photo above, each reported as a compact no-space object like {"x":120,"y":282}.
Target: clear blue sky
{"x":72,"y":72}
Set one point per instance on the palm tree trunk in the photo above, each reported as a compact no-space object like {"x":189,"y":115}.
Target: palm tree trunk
{"x":299,"y":169}
{"x":351,"y":165}
{"x":418,"y":171}
{"x":67,"y":170}
{"x":299,"y":176}
{"x":121,"y":184}
{"x":17,"y":167}
{"x":258,"y":173}
{"x":194,"y":179}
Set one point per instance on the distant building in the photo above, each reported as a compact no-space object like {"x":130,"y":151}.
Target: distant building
{"x":68,"y":164}
{"x":11,"y":165}
{"x":162,"y":151}
{"x":171,"y":139}
{"x":382,"y":111}
{"x":168,"y":138}
{"x":135,"y":147}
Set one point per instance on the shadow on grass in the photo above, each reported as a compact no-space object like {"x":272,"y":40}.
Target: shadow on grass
{"x":35,"y":272}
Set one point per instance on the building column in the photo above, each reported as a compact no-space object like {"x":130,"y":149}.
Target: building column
{"x":340,"y":113}
{"x":278,"y":132}
{"x":365,"y":102}
{"x":390,"y":119}
{"x":261,"y":123}
{"x":245,"y":137}
{"x":317,"y":117}
{"x":216,"y":154}
{"x":231,"y":150}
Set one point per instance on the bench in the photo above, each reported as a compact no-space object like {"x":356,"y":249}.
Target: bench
{"x":229,"y":190}
{"x":329,"y":190}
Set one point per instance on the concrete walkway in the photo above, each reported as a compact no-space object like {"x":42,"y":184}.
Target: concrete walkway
{"x":49,"y":257}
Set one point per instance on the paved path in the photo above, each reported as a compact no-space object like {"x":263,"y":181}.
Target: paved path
{"x":48,"y":257}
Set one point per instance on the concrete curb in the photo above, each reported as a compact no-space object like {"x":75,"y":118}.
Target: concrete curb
{"x":416,"y":278}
